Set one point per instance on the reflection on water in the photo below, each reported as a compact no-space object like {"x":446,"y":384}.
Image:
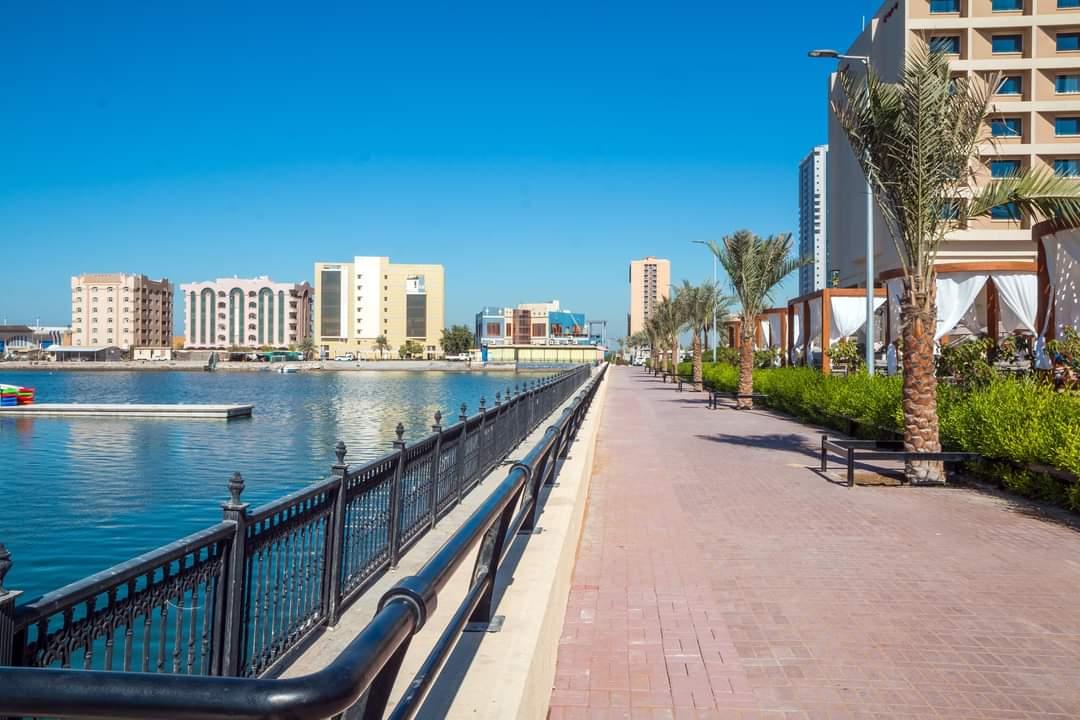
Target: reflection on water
{"x":79,"y":495}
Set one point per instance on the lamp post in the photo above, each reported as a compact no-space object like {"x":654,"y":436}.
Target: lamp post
{"x":715,"y":337}
{"x":865,"y":60}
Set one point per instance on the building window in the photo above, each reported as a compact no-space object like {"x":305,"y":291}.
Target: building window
{"x":1006,"y":5}
{"x":1067,"y":84}
{"x":1066,"y":4}
{"x":330,"y":299}
{"x":1007,"y":44}
{"x":538,"y":330}
{"x":1067,"y":167}
{"x":1011,"y":85}
{"x":1068,"y":41}
{"x":493,"y":330}
{"x":1008,"y":211}
{"x":1067,"y":126}
{"x":1004,"y":168}
{"x":1006,"y":127}
{"x":416,"y":316}
{"x":944,"y":6}
{"x":946,"y":44}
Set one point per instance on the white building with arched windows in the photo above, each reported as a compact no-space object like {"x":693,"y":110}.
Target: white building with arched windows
{"x":246,"y":313}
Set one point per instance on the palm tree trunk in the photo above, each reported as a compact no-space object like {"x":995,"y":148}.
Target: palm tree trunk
{"x":697,"y":362}
{"x":746,"y":371}
{"x":918,"y":316}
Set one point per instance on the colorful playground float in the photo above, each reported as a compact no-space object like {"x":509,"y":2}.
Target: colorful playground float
{"x":12,"y":395}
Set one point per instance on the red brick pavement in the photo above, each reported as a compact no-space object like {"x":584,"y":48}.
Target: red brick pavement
{"x":719,"y":576}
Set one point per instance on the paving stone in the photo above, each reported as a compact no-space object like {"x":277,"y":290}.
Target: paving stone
{"x":719,"y":575}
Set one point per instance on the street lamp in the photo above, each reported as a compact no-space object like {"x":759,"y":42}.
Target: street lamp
{"x":835,"y":55}
{"x":715,"y":337}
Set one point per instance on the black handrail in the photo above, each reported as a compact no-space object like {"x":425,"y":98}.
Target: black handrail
{"x":248,"y":594}
{"x":363,"y":675}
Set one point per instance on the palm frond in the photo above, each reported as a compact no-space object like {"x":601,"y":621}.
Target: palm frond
{"x":1038,"y":192}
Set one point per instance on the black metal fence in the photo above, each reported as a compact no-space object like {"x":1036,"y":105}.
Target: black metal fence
{"x":242,"y":597}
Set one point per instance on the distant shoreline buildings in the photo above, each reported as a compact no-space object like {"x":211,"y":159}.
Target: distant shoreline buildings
{"x":358,"y":302}
{"x":246,"y":313}
{"x":650,"y":282}
{"x":813,"y":230}
{"x":122,"y":310}
{"x":530,"y":324}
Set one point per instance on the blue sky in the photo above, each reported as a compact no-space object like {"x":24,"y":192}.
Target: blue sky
{"x":533,"y":149}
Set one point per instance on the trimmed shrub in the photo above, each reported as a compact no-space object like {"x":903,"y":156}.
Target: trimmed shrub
{"x":1015,"y":421}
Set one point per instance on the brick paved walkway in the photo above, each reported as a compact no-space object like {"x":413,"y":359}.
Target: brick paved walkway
{"x":720,"y":577}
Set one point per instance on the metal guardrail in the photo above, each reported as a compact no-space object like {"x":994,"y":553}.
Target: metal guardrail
{"x":243,"y":596}
{"x":359,"y":682}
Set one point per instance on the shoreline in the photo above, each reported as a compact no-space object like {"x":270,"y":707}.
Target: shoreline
{"x":316,"y":366}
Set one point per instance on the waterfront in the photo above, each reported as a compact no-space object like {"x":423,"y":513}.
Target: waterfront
{"x":81,"y":495}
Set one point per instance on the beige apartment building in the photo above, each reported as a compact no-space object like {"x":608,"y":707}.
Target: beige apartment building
{"x":995,"y":266}
{"x":120,"y":309}
{"x":650,"y":282}
{"x":358,"y":301}
{"x":252,"y":312}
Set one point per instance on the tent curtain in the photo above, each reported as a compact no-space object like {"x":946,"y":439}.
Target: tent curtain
{"x":1019,"y":294}
{"x":1063,"y":266}
{"x":814,"y":331}
{"x":955,"y":294}
{"x":775,"y":334}
{"x":894,"y":289}
{"x":766,"y":338}
{"x":848,"y":316}
{"x":796,"y":335}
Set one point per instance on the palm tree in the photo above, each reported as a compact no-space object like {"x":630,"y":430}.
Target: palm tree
{"x":755,"y":266}
{"x":919,"y":142}
{"x":698,"y":304}
{"x":669,"y":321}
{"x":383,"y":346}
{"x":307,"y":347}
{"x":653,"y":332}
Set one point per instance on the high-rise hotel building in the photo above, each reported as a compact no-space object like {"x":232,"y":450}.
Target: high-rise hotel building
{"x":122,"y":310}
{"x":357,"y":302}
{"x":650,"y":282}
{"x":247,"y":313}
{"x":1035,"y":45}
{"x":812,"y":227}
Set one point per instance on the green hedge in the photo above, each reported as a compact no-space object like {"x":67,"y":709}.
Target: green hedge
{"x":1014,"y":420}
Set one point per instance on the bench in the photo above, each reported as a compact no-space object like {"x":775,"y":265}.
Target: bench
{"x":715,"y":395}
{"x":853,"y":450}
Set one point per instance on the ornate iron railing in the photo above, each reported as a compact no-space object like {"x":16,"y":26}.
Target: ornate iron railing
{"x":243,"y":596}
{"x":358,"y":683}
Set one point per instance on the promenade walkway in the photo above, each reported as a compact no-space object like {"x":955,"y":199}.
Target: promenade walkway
{"x":720,"y":576}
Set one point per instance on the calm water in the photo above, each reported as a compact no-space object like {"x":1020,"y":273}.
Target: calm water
{"x":79,"y":495}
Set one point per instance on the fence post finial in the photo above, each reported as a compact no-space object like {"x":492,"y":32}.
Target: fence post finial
{"x":464,"y":413}
{"x":236,"y":486}
{"x":400,"y":432}
{"x":437,"y":427}
{"x":340,"y":450}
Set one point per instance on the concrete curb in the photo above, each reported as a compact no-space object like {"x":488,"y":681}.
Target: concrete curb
{"x":510,"y":674}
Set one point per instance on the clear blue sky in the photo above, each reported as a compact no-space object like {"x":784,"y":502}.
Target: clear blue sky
{"x":533,"y":149}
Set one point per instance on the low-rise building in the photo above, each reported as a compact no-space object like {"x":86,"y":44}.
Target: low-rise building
{"x":530,"y":324}
{"x":22,"y":339}
{"x":246,"y":313}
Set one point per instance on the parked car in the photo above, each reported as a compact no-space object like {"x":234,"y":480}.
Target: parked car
{"x":462,"y":357}
{"x":347,"y":357}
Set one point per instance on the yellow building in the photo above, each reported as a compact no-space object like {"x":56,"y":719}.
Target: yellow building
{"x":357,"y":302}
{"x":650,"y":282}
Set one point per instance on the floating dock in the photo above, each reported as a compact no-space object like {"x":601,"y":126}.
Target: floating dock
{"x":220,"y":412}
